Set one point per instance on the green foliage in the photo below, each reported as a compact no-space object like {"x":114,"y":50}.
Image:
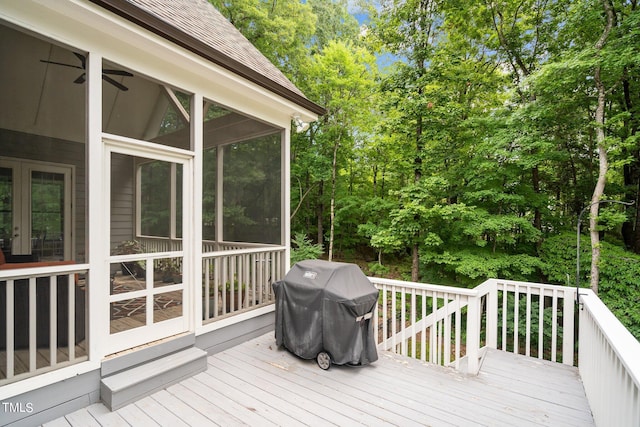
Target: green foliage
{"x":378,"y":269}
{"x":471,"y":267}
{"x":303,"y":248}
{"x":619,"y":287}
{"x":477,"y":145}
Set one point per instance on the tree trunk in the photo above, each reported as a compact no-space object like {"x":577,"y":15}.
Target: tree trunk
{"x":332,"y":213}
{"x":602,"y":154}
{"x":320,"y":213}
{"x":415,"y":263}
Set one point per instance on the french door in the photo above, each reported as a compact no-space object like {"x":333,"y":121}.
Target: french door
{"x":148,"y":191}
{"x":36,"y":209}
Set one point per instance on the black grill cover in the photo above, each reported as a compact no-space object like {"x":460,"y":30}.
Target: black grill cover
{"x":326,"y":306}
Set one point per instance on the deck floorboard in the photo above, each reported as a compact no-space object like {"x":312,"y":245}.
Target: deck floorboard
{"x":257,"y":383}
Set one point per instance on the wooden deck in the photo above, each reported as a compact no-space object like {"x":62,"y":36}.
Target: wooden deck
{"x":258,"y":384}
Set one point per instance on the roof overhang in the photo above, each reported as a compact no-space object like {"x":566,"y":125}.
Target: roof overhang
{"x":165,"y":30}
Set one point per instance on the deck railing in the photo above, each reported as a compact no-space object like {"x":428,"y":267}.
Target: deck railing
{"x":451,"y":326}
{"x":43,"y":316}
{"x":239,"y":279}
{"x":609,"y":364}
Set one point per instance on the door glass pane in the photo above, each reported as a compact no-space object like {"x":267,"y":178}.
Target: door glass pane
{"x":6,"y":201}
{"x":47,"y":215}
{"x":128,"y":314}
{"x":167,"y":305}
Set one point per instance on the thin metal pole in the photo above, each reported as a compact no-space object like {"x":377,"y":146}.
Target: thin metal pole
{"x":578,"y":239}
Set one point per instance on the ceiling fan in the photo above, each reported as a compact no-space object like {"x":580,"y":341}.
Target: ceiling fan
{"x":83,"y":65}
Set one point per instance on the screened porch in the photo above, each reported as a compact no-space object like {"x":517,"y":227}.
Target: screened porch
{"x":162,"y":157}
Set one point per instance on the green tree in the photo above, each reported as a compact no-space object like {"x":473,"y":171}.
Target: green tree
{"x":343,"y":77}
{"x":281,"y":29}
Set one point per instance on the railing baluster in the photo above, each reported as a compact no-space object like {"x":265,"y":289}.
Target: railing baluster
{"x":434,"y":329}
{"x":541,"y":324}
{"x":516,"y":318}
{"x":254,"y":274}
{"x":423,"y":335}
{"x":206,"y":294}
{"x":413,"y":323}
{"x":527,"y":351}
{"x":458,"y":330}
{"x":504,"y":318}
{"x":554,"y":326}
{"x":447,"y":330}
{"x":385,"y":315}
{"x":53,"y":317}
{"x":394,"y":329}
{"x":9,"y":327}
{"x":217,"y":271}
{"x":71,"y":313}
{"x":32,"y":325}
{"x":403,"y":320}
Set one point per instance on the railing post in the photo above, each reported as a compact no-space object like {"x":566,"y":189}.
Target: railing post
{"x":492,"y":314}
{"x":568,"y":325}
{"x":473,"y":334}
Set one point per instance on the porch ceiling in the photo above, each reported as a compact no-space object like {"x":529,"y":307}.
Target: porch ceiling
{"x":48,"y":98}
{"x":36,"y":97}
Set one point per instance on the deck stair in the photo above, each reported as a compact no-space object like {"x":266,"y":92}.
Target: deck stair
{"x":130,"y":377}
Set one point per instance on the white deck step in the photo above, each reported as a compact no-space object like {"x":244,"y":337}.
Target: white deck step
{"x":132,"y":384}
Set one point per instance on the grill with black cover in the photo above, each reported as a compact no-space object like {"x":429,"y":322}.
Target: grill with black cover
{"x":324,"y":311}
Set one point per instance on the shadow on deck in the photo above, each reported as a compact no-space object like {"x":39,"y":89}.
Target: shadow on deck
{"x":256,"y":383}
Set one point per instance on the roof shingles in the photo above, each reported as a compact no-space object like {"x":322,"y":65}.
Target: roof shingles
{"x":205,"y":31}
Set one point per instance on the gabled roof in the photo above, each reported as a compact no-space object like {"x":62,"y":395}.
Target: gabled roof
{"x":198,"y":27}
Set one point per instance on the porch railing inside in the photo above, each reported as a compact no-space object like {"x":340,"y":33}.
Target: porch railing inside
{"x":237,"y":276}
{"x":43,"y":312}
{"x":239,"y":279}
{"x":165,"y":244}
{"x":452,"y":326}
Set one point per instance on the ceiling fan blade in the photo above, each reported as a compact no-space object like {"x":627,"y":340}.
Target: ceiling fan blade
{"x":115,"y":83}
{"x":117,"y":72}
{"x":80,"y":79}
{"x":60,"y":63}
{"x":82,"y":59}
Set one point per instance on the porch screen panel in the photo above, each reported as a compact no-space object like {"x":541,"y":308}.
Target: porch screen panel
{"x":242,"y":198}
{"x":42,"y":124}
{"x":252,"y":191}
{"x":47,"y":215}
{"x":138,"y":107}
{"x":6,"y":202}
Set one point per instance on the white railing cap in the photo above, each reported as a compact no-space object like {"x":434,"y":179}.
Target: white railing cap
{"x":622,"y":342}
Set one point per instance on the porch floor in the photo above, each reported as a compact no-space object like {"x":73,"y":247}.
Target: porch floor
{"x":256,"y":383}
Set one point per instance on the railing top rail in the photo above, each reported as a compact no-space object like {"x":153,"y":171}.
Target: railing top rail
{"x":424,"y":286}
{"x":532,"y":284}
{"x":232,"y":252}
{"x":159,"y":238}
{"x":625,"y":345}
{"x":146,"y":255}
{"x":25,"y":273}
